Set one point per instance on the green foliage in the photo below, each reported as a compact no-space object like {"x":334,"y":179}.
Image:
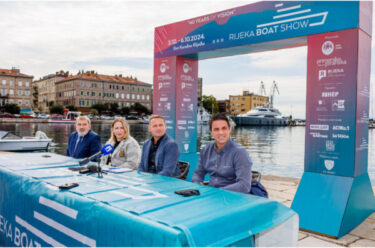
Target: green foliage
{"x":99,"y":107}
{"x":140,"y":109}
{"x":114,"y":108}
{"x":94,"y":111}
{"x":12,"y":108}
{"x":125,"y":111}
{"x":56,"y":109}
{"x":210,"y":104}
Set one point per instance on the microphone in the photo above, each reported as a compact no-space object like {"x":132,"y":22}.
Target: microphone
{"x":107,"y":149}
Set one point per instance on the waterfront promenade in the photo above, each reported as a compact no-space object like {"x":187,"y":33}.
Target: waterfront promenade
{"x":283,"y":189}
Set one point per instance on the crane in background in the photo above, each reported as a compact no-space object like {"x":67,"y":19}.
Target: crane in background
{"x":274,"y":89}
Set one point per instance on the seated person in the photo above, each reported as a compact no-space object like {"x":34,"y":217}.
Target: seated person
{"x":160,"y":153}
{"x":83,"y":142}
{"x":127,"y":152}
{"x":227,"y":162}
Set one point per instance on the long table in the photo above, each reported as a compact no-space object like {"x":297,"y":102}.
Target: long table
{"x":128,"y":209}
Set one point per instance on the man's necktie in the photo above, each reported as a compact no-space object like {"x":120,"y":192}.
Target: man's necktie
{"x":78,"y":141}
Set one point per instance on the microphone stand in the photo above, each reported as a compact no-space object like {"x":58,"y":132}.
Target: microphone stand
{"x":100,"y":172}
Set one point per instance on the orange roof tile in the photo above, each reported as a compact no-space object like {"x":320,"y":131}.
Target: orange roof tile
{"x":13,"y":72}
{"x":100,"y":77}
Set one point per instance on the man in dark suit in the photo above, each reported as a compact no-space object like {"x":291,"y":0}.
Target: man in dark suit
{"x":83,"y":142}
{"x":160,"y":153}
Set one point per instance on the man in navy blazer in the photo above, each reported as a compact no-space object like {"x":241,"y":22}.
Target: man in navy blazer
{"x":83,"y":142}
{"x":160,"y":153}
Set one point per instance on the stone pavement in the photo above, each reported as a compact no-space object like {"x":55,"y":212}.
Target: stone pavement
{"x":283,"y":189}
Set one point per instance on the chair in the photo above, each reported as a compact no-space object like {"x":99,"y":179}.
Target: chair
{"x":256,"y":176}
{"x":184,"y":169}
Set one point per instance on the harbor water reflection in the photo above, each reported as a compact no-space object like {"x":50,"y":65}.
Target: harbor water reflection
{"x":274,"y":150}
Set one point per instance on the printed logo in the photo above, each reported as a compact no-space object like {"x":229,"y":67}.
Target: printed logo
{"x":327,"y":47}
{"x":330,"y":145}
{"x":163,"y":68}
{"x":329,"y":164}
{"x":185,"y":68}
{"x":186,"y":147}
{"x":322,"y":74}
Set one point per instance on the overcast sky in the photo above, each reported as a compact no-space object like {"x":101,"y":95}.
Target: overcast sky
{"x":117,"y":37}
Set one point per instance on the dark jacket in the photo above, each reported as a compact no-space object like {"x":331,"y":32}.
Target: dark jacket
{"x":166,"y":158}
{"x":90,"y":145}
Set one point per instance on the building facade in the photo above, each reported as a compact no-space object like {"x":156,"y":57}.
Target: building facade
{"x":15,"y":87}
{"x":89,"y":88}
{"x":224,"y":106}
{"x":44,"y":91}
{"x":242,"y":104}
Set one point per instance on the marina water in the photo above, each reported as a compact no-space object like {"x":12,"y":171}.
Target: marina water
{"x":275,"y":151}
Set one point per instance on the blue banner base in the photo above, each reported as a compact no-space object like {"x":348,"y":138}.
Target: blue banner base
{"x":333,"y":205}
{"x":192,"y":158}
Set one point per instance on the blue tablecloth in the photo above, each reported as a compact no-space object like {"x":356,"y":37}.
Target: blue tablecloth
{"x":127,"y":209}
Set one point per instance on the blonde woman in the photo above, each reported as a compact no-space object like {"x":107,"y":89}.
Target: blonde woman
{"x":127,"y":152}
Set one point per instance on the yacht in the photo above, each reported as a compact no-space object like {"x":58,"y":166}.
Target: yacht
{"x":203,"y":116}
{"x":260,"y":116}
{"x":70,"y":117}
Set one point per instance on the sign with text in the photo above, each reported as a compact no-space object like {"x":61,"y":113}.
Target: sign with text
{"x":186,"y":104}
{"x":330,"y":103}
{"x":254,"y":23}
{"x":164,"y":100}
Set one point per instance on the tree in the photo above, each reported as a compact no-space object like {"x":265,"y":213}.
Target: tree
{"x":139,"y":108}
{"x":210,"y":104}
{"x":94,"y":111}
{"x":113,"y":108}
{"x":71,"y":107}
{"x":12,"y":108}
{"x":99,"y":107}
{"x":125,"y":111}
{"x":56,"y":109}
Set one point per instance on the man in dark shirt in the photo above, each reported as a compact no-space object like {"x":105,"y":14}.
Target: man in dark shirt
{"x":227,"y":162}
{"x":160,"y":153}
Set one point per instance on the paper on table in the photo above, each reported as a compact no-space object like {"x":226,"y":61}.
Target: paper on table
{"x":118,"y":169}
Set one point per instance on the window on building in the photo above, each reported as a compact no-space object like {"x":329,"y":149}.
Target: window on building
{"x":20,"y":92}
{"x":10,"y":101}
{"x":11,"y":92}
{"x":100,"y":86}
{"x":122,"y":104}
{"x":100,"y":93}
{"x":133,"y":96}
{"x":137,"y":97}
{"x":11,"y":83}
{"x":27,"y":102}
{"x":4,"y":82}
{"x":27,"y":84}
{"x":88,"y":93}
{"x":93,"y":93}
{"x":81,"y":92}
{"x":93,"y":102}
{"x":19,"y":101}
{"x":105,"y":86}
{"x":81,"y":103}
{"x":117,"y":87}
{"x":93,"y":85}
{"x":127,"y":96}
{"x":87,"y":84}
{"x":127,"y":104}
{"x":27,"y":92}
{"x":122,"y":87}
{"x":117,"y":95}
{"x":113,"y":95}
{"x":87,"y":103}
{"x":3,"y":92}
{"x":138,"y":89}
{"x":19,"y":83}
{"x":122,"y":95}
{"x":143,"y":89}
{"x":143,"y":97}
{"x":148,"y":97}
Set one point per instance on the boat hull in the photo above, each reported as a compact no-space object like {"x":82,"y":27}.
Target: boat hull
{"x":24,"y":145}
{"x":258,"y":121}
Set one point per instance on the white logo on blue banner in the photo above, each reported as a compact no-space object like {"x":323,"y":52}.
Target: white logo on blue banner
{"x":329,"y":164}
